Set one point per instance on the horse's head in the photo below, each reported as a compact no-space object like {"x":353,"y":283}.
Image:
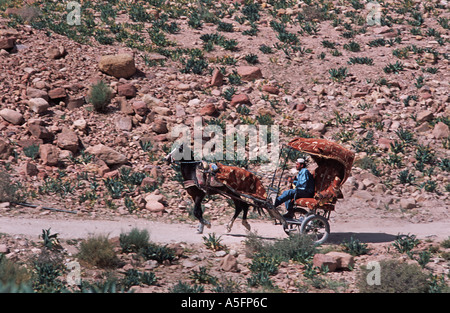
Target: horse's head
{"x":179,"y":153}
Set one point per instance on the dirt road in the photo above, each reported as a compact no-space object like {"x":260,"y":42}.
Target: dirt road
{"x":371,"y":230}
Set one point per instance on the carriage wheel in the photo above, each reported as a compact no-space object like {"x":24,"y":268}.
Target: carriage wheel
{"x":292,"y":227}
{"x":317,"y":227}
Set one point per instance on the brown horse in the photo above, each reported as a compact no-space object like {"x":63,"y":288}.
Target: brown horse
{"x":188,"y":165}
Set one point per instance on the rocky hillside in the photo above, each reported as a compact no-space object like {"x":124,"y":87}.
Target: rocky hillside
{"x":87,"y":105}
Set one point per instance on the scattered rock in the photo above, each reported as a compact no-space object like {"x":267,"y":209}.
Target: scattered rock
{"x":407,"y":203}
{"x":240,"y":99}
{"x":140,"y":108}
{"x":441,"y":130}
{"x":49,"y":154}
{"x":208,"y":110}
{"x":38,"y":105}
{"x":55,"y":53}
{"x":229,"y":264}
{"x":127,"y":90}
{"x":57,"y":93}
{"x":5,"y":149}
{"x":160,"y":126}
{"x":107,"y":154}
{"x":249,"y":73}
{"x":124,"y":123}
{"x":12,"y":116}
{"x":119,"y":66}
{"x":217,"y":78}
{"x":68,"y":140}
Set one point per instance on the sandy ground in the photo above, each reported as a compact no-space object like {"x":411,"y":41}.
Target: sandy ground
{"x":369,"y":230}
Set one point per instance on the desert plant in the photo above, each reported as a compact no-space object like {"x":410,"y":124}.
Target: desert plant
{"x":182,"y":287}
{"x":338,"y":74}
{"x":135,"y":278}
{"x":49,"y":241}
{"x":98,"y":251}
{"x":100,"y":96}
{"x":395,"y":277}
{"x":352,"y":46}
{"x":224,"y":27}
{"x":31,"y":151}
{"x":134,"y":241}
{"x":202,"y":276}
{"x":265,"y":49}
{"x":360,"y":60}
{"x":158,"y":253}
{"x":251,"y":58}
{"x":355,"y":247}
{"x":213,"y":242}
{"x":395,"y":68}
{"x":405,"y":243}
{"x":406,"y":177}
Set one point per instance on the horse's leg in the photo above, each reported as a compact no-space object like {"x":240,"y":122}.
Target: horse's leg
{"x":199,"y":214}
{"x":237,"y":211}
{"x":244,"y":216}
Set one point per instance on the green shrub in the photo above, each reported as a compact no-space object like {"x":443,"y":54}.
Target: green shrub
{"x":158,"y":253}
{"x":12,"y":273}
{"x":47,"y":270}
{"x":98,"y":251}
{"x":405,"y":243}
{"x":395,"y":277}
{"x":100,"y":96}
{"x":181,"y":287}
{"x":355,"y":247}
{"x":134,"y":241}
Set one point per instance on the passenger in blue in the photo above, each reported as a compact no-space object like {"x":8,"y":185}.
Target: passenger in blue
{"x":304,"y":188}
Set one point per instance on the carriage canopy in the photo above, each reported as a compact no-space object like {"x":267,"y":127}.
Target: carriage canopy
{"x":326,"y":153}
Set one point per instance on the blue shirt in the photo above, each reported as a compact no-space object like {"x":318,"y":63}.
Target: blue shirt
{"x":304,"y":181}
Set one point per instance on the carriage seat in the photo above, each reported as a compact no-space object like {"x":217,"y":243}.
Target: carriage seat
{"x":327,"y":191}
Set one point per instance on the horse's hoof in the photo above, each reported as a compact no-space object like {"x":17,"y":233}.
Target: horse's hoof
{"x":200,"y":229}
{"x":247,"y":226}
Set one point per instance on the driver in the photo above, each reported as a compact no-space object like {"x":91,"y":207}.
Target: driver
{"x":304,"y":188}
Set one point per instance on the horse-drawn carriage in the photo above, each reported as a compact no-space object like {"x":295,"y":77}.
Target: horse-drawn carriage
{"x":334,"y":164}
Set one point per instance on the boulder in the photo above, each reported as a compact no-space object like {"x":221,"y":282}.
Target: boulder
{"x":7,"y":43}
{"x":119,"y":65}
{"x":229,"y":264}
{"x":153,"y":202}
{"x":322,"y":260}
{"x":68,"y":140}
{"x":160,"y":126}
{"x":124,"y":123}
{"x":343,"y":260}
{"x":140,"y":108}
{"x":217,"y":78}
{"x":208,"y":110}
{"x":57,"y":93}
{"x":38,"y":105}
{"x":407,"y":203}
{"x":249,"y":73}
{"x":424,"y":116}
{"x":49,"y":154}
{"x":127,"y":90}
{"x":270,"y":89}
{"x":5,"y":149}
{"x":12,"y":116}
{"x":40,"y":132}
{"x":29,"y":169}
{"x":441,"y":130}
{"x":334,"y":260}
{"x":56,"y":52}
{"x":107,"y":154}
{"x":240,"y":99}
{"x":37,"y":93}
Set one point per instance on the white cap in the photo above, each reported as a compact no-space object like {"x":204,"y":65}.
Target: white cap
{"x":301,"y":160}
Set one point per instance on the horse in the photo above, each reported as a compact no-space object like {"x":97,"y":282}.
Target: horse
{"x":188,"y":168}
